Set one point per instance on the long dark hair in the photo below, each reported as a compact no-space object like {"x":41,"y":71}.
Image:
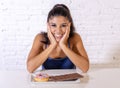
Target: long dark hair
{"x":59,"y":10}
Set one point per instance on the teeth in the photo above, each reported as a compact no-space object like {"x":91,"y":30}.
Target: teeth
{"x":58,"y":35}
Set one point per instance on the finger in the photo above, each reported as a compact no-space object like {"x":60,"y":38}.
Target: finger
{"x":68,"y":31}
{"x":68,"y":26}
{"x":48,"y":30}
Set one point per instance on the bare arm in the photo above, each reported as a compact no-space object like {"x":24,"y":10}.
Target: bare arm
{"x":78,"y":55}
{"x":37,"y":55}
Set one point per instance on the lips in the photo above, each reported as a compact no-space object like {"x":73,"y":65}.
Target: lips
{"x":58,"y":36}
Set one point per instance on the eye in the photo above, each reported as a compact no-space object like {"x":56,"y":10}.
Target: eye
{"x":53,"y":25}
{"x":64,"y":25}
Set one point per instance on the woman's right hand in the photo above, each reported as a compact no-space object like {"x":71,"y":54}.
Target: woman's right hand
{"x":50,"y":36}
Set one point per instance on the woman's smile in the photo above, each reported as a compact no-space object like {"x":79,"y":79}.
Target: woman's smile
{"x":58,"y":26}
{"x":58,"y":36}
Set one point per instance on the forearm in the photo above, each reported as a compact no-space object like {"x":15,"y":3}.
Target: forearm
{"x":80,"y":61}
{"x":38,"y":60}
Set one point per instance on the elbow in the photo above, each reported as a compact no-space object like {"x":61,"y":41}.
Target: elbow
{"x":85,"y":67}
{"x":85,"y":70}
{"x":29,"y":68}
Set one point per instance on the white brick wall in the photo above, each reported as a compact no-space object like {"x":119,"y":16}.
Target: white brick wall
{"x":97,"y":21}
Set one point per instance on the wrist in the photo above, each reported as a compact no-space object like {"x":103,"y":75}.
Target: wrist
{"x":53,"y":45}
{"x":63,"y":46}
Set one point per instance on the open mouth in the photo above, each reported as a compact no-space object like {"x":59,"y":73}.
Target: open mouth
{"x":58,"y":36}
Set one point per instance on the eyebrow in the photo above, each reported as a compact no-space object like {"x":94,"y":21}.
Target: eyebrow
{"x":65,"y":23}
{"x":55,"y":23}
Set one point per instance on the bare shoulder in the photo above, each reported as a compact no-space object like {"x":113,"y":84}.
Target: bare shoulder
{"x":76,"y":38}
{"x":39,"y":36}
{"x":37,"y":46}
{"x":78,"y":46}
{"x":37,"y":40}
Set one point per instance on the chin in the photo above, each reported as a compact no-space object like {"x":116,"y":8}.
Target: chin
{"x":58,"y":40}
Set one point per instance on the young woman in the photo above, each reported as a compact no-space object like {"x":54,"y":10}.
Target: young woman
{"x":61,"y":47}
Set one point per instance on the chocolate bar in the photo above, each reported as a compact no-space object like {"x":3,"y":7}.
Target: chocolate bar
{"x":66,"y":77}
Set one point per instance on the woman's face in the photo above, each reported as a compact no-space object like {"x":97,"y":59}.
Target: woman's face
{"x":58,"y":26}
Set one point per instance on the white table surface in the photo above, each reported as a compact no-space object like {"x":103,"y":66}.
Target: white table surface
{"x":95,"y":78}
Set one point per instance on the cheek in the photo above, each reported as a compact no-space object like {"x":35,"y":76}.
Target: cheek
{"x":52,"y":30}
{"x":64,"y":30}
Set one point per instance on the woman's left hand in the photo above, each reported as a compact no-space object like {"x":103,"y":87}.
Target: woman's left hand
{"x":64,"y":39}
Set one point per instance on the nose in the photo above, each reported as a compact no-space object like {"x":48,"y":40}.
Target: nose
{"x":58,"y":30}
